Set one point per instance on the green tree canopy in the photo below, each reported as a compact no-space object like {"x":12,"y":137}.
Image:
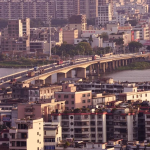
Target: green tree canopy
{"x":104,"y":35}
{"x":134,"y":46}
{"x":119,"y":41}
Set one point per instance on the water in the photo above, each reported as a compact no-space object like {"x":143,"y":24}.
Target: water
{"x":8,"y":71}
{"x":128,"y":75}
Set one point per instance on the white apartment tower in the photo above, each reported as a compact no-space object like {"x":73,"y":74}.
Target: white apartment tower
{"x":28,"y":135}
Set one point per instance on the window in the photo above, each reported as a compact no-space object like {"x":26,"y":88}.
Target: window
{"x":83,"y":101}
{"x":65,"y":96}
{"x":37,"y":141}
{"x":59,"y":96}
{"x":44,"y":132}
{"x":88,"y":94}
{"x":88,"y":100}
{"x":83,"y":95}
{"x":72,"y":102}
{"x":72,"y":96}
{"x":145,"y":95}
{"x":136,"y":96}
{"x":37,"y":133}
{"x":66,"y":102}
{"x":38,"y":148}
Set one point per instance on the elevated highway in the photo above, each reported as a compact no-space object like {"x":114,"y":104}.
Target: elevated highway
{"x":101,"y":65}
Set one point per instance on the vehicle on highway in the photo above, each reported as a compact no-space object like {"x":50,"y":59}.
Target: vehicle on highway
{"x":94,"y":57}
{"x":72,"y":62}
{"x":1,"y":81}
{"x":59,"y":62}
{"x":41,"y":71}
{"x":36,"y":68}
{"x":12,"y":81}
{"x":31,"y":74}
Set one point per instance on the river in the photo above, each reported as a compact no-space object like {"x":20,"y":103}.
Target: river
{"x":128,"y":75}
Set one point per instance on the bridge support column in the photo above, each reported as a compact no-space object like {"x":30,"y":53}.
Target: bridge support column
{"x":61,"y":76}
{"x":98,"y":69}
{"x":81,"y":72}
{"x":119,"y":63}
{"x":113,"y":65}
{"x":122,"y":62}
{"x":126,"y":62}
{"x":110,"y":66}
{"x":48,"y":80}
{"x":116,"y":64}
{"x":104,"y":67}
{"x":90,"y":69}
{"x":69,"y":74}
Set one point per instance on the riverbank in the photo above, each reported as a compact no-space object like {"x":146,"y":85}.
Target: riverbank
{"x":135,"y":66}
{"x":23,"y":63}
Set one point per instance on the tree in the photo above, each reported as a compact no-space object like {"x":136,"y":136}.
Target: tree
{"x":84,"y":48}
{"x":90,"y":39}
{"x":66,"y":144}
{"x":2,"y":57}
{"x":134,"y":46}
{"x":119,"y":41}
{"x":104,"y":35}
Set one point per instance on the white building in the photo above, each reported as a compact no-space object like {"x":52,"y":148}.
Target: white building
{"x":52,"y":135}
{"x":28,"y":135}
{"x":144,"y":31}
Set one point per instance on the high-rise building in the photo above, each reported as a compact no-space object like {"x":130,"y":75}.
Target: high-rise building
{"x":17,"y":37}
{"x":89,"y":8}
{"x":42,"y":9}
{"x":65,"y":9}
{"x":19,"y":9}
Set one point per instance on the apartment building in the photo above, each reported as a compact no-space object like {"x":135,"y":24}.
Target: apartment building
{"x":32,"y":9}
{"x":125,"y":36}
{"x":122,"y":124}
{"x":70,"y":35}
{"x":89,"y":8}
{"x":29,"y":134}
{"x":73,"y":98}
{"x":82,"y":126}
{"x":128,"y":96}
{"x":78,"y":22}
{"x":17,"y":37}
{"x":144,"y":31}
{"x":104,"y":14}
{"x":33,"y":93}
{"x":52,"y":135}
{"x":39,"y":47}
{"x":40,"y":110}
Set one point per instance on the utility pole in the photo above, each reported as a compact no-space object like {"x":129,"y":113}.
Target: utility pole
{"x":49,"y":19}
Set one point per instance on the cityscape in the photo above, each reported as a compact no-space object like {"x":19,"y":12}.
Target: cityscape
{"x":74,"y":74}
